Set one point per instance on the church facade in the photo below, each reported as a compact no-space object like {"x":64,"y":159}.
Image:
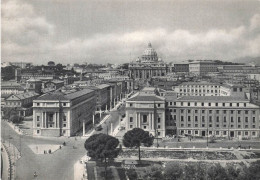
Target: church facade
{"x":148,"y":66}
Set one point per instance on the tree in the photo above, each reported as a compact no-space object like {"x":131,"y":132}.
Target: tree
{"x":135,"y":137}
{"x":8,"y":73}
{"x":173,"y":171}
{"x":16,"y":119}
{"x":103,"y":147}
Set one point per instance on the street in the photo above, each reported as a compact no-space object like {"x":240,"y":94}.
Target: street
{"x":58,"y":165}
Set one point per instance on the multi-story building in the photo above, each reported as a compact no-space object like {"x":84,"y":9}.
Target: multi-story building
{"x":148,"y":66}
{"x":201,"y":68}
{"x":63,"y":114}
{"x":202,"y":88}
{"x":22,"y":103}
{"x":223,"y":116}
{"x":181,"y":68}
{"x":146,"y":110}
{"x":34,"y":85}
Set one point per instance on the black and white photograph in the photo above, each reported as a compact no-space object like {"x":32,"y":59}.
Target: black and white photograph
{"x":130,"y":89}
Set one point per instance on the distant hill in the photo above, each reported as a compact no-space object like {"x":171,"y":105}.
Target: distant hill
{"x":247,"y":60}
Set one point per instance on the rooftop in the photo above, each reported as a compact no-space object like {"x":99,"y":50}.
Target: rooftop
{"x":146,"y":98}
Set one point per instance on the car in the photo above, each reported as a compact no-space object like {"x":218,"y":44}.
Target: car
{"x":98,"y":128}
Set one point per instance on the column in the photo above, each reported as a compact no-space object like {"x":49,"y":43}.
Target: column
{"x":136,"y":120}
{"x":58,"y":120}
{"x":93,"y":120}
{"x":152,"y":121}
{"x":42,"y":124}
{"x":139,"y":124}
{"x":111,"y":129}
{"x":83,"y":127}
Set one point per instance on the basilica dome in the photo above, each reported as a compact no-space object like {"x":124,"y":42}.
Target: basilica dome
{"x":149,"y":54}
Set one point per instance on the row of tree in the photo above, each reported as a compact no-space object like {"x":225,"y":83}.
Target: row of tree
{"x":203,"y":171}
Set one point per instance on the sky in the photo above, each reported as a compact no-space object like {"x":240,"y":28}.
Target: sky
{"x":118,"y":31}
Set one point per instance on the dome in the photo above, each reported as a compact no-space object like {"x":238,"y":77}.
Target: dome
{"x":149,"y":54}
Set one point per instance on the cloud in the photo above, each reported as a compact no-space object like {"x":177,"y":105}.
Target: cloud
{"x":30,"y":37}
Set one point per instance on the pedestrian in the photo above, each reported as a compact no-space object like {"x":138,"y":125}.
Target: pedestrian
{"x":60,"y":147}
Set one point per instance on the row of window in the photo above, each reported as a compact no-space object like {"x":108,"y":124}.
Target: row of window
{"x":38,"y":118}
{"x":39,"y":125}
{"x":210,"y":104}
{"x":195,"y":90}
{"x":217,"y":125}
{"x":39,"y":104}
{"x":211,"y":111}
{"x":246,"y":133}
{"x":217,"y":119}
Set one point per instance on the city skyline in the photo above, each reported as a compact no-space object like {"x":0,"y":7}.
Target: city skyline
{"x":118,"y":31}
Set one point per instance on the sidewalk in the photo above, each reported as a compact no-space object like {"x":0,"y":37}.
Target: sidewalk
{"x":80,"y":169}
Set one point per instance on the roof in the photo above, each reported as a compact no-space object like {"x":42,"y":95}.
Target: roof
{"x":32,"y":79}
{"x":146,"y":98}
{"x":199,"y":83}
{"x":78,"y":94}
{"x":214,"y":98}
{"x":102,"y":86}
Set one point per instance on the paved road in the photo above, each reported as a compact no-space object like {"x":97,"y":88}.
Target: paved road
{"x":48,"y":166}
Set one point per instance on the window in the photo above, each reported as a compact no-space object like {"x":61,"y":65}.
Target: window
{"x":130,"y":104}
{"x":230,"y":104}
{"x":231,"y":119}
{"x":217,"y":132}
{"x":38,"y":104}
{"x":210,"y":125}
{"x":225,"y":132}
{"x":246,"y":133}
{"x":202,"y":104}
{"x":174,"y":103}
{"x":217,"y":125}
{"x":144,"y":118}
{"x":196,"y":118}
{"x":244,"y":104}
{"x":196,"y":132}
{"x":131,"y":119}
{"x":253,"y":112}
{"x":188,"y":104}
{"x":223,"y":104}
{"x":189,"y":111}
{"x":203,"y":118}
{"x":246,"y":112}
{"x":216,"y":104}
{"x":38,"y":131}
{"x":217,"y":111}
{"x":159,"y":120}
{"x":64,"y":125}
{"x":144,"y":127}
{"x":231,"y":111}
{"x":246,"y":126}
{"x":210,"y":111}
{"x":196,"y":111}
{"x":239,"y":126}
{"x":224,"y":111}
{"x":159,"y":126}
{"x":238,"y":119}
{"x":196,"y":125}
{"x":182,"y":118}
{"x":210,"y":118}
{"x":182,"y":110}
{"x":225,"y":120}
{"x":38,"y":125}
{"x":38,"y":118}
{"x":253,"y":133}
{"x":195,"y":103}
{"x":170,"y":103}
{"x":246,"y":119}
{"x":238,"y":112}
{"x":188,"y":118}
{"x":159,"y":105}
{"x":253,"y":126}
{"x":203,"y":125}
{"x":181,"y":103}
{"x":64,"y":104}
{"x":237,"y":104}
{"x":217,"y":119}
{"x":253,"y":119}
{"x":131,"y":126}
{"x":174,"y":110}
{"x":203,"y":111}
